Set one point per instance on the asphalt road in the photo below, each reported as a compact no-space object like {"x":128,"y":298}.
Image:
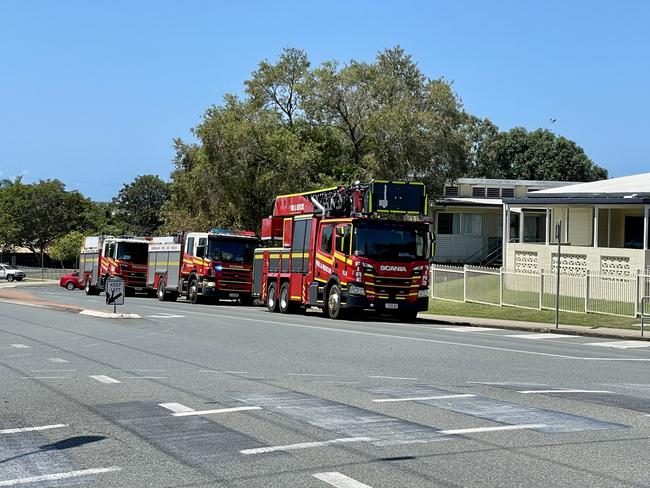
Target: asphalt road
{"x":222,"y":395}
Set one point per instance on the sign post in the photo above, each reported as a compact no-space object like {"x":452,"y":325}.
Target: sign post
{"x":115,"y":293}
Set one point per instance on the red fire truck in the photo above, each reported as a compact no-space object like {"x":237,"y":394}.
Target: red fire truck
{"x":104,"y":257}
{"x":216,"y":264}
{"x":361,"y":247}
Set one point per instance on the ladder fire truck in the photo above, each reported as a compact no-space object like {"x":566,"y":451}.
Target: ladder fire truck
{"x":216,"y":264}
{"x":366,"y":246}
{"x":104,"y":257}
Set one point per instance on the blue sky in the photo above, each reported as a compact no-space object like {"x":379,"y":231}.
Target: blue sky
{"x":93,"y":93}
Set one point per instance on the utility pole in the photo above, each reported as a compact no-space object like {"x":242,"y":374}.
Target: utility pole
{"x":558,"y":235}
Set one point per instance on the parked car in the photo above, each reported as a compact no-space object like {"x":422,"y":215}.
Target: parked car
{"x":9,"y":273}
{"x":70,"y":281}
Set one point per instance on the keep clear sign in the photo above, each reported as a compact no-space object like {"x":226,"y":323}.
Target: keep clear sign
{"x":114,"y":292}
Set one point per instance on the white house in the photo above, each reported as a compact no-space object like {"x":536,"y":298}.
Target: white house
{"x":604,"y":228}
{"x":469,"y":218}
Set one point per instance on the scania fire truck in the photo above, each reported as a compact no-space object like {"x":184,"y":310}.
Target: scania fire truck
{"x":104,"y":257}
{"x":366,"y":246}
{"x":216,"y":264}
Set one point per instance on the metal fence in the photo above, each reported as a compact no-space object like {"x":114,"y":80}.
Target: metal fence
{"x":45,"y":273}
{"x":589,"y":293}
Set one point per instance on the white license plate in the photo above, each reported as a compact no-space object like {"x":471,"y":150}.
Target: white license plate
{"x":233,"y":295}
{"x":392,"y":306}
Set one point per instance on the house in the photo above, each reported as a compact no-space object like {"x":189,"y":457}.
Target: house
{"x":604,"y":228}
{"x":469,"y":218}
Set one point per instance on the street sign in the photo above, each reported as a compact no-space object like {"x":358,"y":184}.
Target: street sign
{"x":115,"y":292}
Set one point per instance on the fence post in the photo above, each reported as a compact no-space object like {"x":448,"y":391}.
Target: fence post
{"x":541,"y":289}
{"x":465,"y":283}
{"x":587,"y":281}
{"x":501,"y":287}
{"x":638,"y":293}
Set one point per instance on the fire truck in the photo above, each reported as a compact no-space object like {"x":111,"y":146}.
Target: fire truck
{"x":104,"y":257}
{"x":202,"y":265}
{"x":363,"y":247}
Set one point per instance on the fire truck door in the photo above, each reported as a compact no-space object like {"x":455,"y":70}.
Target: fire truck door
{"x":324,"y":254}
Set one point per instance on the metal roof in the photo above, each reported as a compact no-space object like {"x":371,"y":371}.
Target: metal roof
{"x":470,"y":201}
{"x":632,"y":186}
{"x":505,"y":182}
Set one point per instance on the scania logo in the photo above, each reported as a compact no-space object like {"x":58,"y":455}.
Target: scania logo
{"x":393,"y":268}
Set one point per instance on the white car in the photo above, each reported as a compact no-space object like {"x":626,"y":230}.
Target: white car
{"x":9,"y":273}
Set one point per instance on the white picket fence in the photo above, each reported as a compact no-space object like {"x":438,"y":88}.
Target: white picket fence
{"x":591,"y":293}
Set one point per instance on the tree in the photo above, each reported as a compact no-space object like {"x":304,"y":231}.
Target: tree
{"x":138,"y":205}
{"x":66,"y":248}
{"x":537,"y":155}
{"x":35,"y":215}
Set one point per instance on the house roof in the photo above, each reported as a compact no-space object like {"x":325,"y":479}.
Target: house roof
{"x":505,"y":182}
{"x":633,"y":186}
{"x":469,"y":201}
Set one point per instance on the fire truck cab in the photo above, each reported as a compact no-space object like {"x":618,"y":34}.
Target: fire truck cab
{"x":365,"y":247}
{"x":104,"y":257}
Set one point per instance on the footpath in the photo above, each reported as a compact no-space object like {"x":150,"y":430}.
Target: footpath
{"x":581,"y":330}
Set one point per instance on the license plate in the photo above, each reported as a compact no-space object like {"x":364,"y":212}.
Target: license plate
{"x":391,"y":306}
{"x":233,"y":295}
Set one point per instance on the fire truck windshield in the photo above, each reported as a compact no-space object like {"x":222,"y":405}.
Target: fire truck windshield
{"x":231,"y":250}
{"x":389,"y":241}
{"x":135,"y":252}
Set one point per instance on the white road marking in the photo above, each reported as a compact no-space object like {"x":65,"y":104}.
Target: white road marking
{"x":393,"y":377}
{"x":559,"y":390}
{"x":104,"y":378}
{"x":305,"y":445}
{"x":176,"y":407}
{"x":416,"y":399}
{"x":546,"y":335}
{"x":165,"y":316}
{"x":218,"y":410}
{"x":466,"y":328}
{"x":59,"y":476}
{"x":32,"y":429}
{"x":308,"y":374}
{"x":266,"y":323}
{"x":338,"y":480}
{"x":619,"y":344}
{"x":57,"y":360}
{"x":91,"y":345}
{"x":20,"y":346}
{"x":499,"y":428}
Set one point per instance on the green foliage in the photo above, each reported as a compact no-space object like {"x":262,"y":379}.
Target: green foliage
{"x":537,"y":155}
{"x":66,"y":248}
{"x":35,"y":215}
{"x":138,"y":205}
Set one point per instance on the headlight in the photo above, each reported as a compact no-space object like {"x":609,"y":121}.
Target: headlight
{"x":423,"y":293}
{"x":356,"y":290}
{"x":417,"y":268}
{"x":218,"y":267}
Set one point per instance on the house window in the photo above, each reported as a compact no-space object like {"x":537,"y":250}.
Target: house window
{"x":507,"y":192}
{"x":472,"y":224}
{"x":448,"y":223}
{"x":493,"y":193}
{"x":451,"y":191}
{"x":478,"y":191}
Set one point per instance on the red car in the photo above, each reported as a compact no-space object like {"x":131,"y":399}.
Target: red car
{"x":70,"y":281}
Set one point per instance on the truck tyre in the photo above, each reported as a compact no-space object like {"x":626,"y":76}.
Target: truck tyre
{"x":284,"y":305}
{"x":272,"y":298}
{"x":88,"y":288}
{"x":193,"y":291}
{"x":160,"y":292}
{"x":333,"y":304}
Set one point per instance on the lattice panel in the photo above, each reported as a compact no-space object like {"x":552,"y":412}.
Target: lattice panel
{"x":572,"y":264}
{"x":615,"y":266}
{"x":526,"y":261}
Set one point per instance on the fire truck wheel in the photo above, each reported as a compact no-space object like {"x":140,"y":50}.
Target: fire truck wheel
{"x":162,"y":296}
{"x":193,"y":291}
{"x":272,"y":298}
{"x":334,"y":302}
{"x":283,"y":303}
{"x":88,"y":289}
